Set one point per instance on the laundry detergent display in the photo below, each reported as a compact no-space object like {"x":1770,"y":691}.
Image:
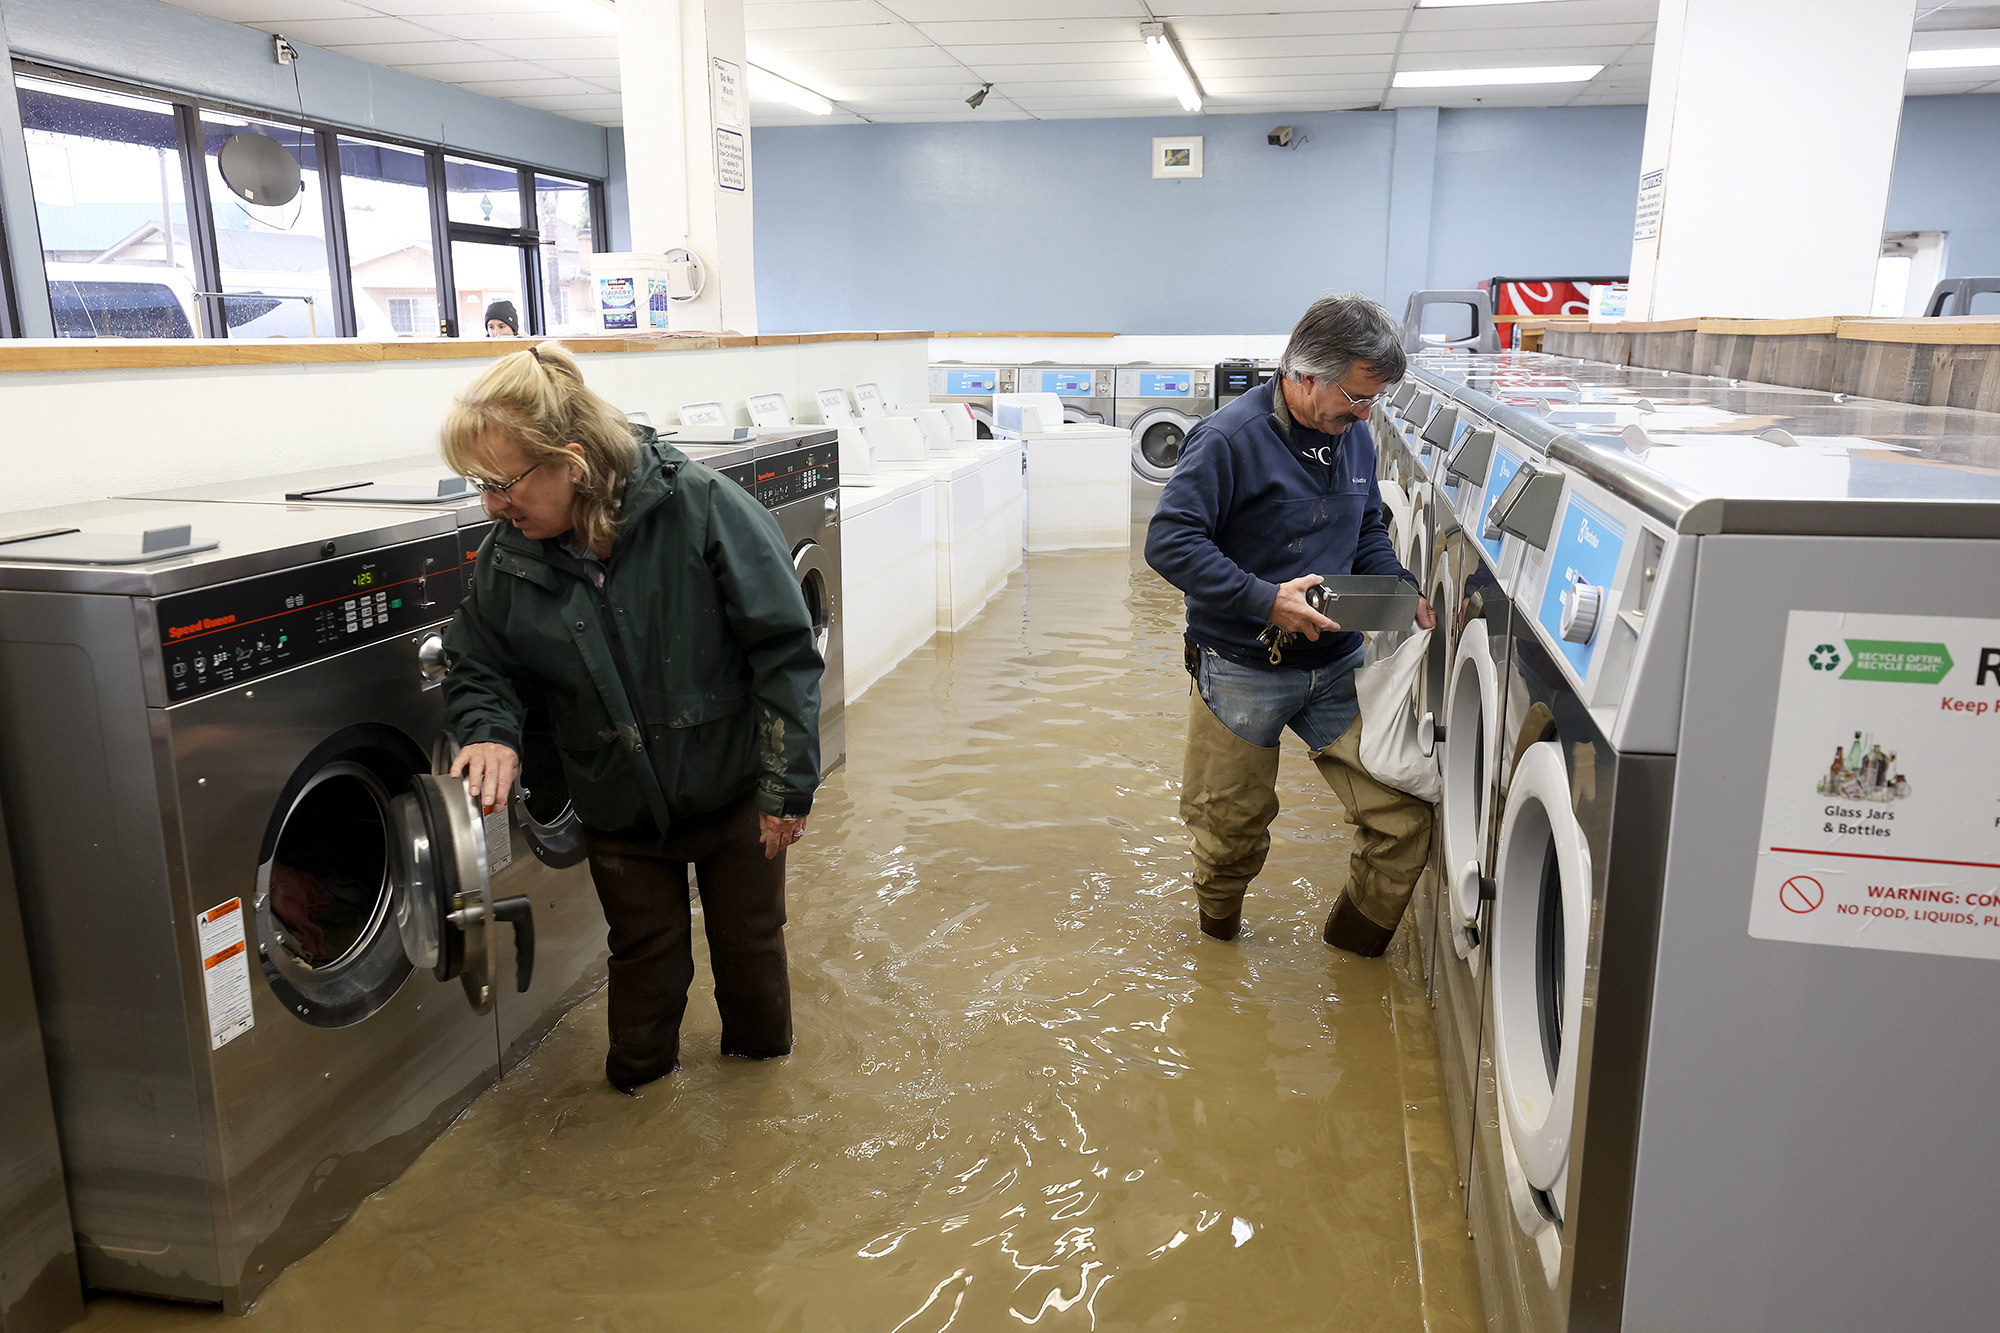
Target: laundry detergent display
{"x":1881,"y":817}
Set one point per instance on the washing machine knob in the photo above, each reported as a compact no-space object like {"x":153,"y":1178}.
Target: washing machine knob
{"x":430,"y":656}
{"x":1429,"y":734}
{"x":1580,"y":608}
{"x":832,"y":508}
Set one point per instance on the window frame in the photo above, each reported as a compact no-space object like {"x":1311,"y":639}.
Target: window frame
{"x":202,"y":242}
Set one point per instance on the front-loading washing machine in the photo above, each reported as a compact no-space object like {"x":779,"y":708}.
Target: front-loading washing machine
{"x":263,"y":933}
{"x":796,"y":475}
{"x":973,"y":385}
{"x":1160,"y":405}
{"x":1734,"y":989}
{"x":535,"y":845}
{"x":1085,"y":391}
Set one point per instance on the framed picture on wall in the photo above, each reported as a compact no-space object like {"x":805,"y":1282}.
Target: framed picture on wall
{"x":1179,"y":156}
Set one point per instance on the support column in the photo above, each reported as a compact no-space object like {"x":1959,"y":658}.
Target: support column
{"x":20,"y":233}
{"x":1770,"y":138}
{"x":1412,"y":172}
{"x":687,"y":149}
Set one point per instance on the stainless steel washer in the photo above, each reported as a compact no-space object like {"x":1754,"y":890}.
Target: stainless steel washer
{"x":1160,"y":405}
{"x":219,"y":726}
{"x":536,"y":849}
{"x":1085,"y":391}
{"x":973,"y":385}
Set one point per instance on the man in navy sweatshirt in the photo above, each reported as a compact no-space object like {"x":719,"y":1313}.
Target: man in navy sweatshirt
{"x":1272,"y":493}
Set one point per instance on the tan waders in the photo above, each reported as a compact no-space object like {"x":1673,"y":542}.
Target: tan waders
{"x":1392,"y":842}
{"x":1229,"y":798}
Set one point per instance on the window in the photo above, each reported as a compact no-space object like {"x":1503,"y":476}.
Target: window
{"x":111,"y":201}
{"x":391,"y":240}
{"x":568,"y":228}
{"x":143,"y":238}
{"x":272,"y":260}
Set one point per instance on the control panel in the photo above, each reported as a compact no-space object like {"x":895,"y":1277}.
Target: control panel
{"x":970,"y":381}
{"x":1072,"y":383}
{"x":787,"y":478}
{"x":1587,"y":555}
{"x":215,"y":638}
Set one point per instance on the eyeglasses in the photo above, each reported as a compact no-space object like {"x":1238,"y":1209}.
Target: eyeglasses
{"x":1361,"y":404}
{"x":499,"y":488}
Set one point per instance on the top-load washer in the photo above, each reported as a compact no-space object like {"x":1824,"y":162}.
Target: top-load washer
{"x":262,"y":927}
{"x":1160,"y":405}
{"x":1084,"y":391}
{"x":535,"y":844}
{"x":1707,"y":938}
{"x":973,"y":385}
{"x":796,"y":475}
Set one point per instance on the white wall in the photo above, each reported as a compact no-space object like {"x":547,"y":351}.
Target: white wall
{"x":87,"y":435}
{"x":1124,"y":350}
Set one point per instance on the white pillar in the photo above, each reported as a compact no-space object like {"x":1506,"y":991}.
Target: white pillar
{"x":1770,"y":136}
{"x":685,"y":139}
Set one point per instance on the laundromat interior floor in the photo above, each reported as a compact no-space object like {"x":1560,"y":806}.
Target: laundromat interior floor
{"x":1026,"y":1092}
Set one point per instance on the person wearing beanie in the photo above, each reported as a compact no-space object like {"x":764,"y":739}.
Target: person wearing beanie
{"x":501,"y":321}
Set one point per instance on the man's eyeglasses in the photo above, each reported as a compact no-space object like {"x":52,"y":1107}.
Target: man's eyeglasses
{"x":499,"y":488}
{"x":1358,"y":404}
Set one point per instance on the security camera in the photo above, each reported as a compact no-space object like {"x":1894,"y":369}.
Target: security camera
{"x":1280,"y":137}
{"x":979,"y":97}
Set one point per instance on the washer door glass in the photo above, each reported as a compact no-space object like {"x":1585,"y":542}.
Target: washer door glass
{"x":440,"y":887}
{"x":325,"y":939}
{"x":816,"y":586}
{"x":1541,"y":921}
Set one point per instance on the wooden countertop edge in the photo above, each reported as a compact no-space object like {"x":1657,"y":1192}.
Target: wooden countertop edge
{"x":145,"y":354}
{"x":1772,"y":328}
{"x":1968,"y":331}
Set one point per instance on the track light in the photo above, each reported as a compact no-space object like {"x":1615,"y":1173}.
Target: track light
{"x":1160,"y":45}
{"x":978,"y":99}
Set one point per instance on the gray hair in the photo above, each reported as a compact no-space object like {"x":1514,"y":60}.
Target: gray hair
{"x":1337,"y":331}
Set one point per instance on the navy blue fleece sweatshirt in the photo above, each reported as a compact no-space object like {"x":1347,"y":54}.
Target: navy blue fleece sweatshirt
{"x":1244,"y":512}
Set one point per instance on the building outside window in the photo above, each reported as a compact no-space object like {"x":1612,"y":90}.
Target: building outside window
{"x":111,"y":202}
{"x":565,"y":220}
{"x":391,"y":240}
{"x":273,"y":259}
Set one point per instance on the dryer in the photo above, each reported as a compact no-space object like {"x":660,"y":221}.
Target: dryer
{"x":1085,"y":391}
{"x":1705,"y":952}
{"x":263,"y":931}
{"x":1160,"y":405}
{"x":973,"y":385}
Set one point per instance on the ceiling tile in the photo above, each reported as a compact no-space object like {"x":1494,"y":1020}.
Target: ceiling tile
{"x":857,"y":37}
{"x":1529,"y":39}
{"x":1564,"y":13}
{"x":946,"y":11}
{"x":585,"y":69}
{"x":1068,"y":53}
{"x":520,"y":27}
{"x":1237,"y":48}
{"x":346,"y":32}
{"x":554,"y":85}
{"x":557,"y":48}
{"x":1012,"y":32}
{"x":260,"y":11}
{"x":1197,"y":27}
{"x":442,"y":51}
{"x":827,"y":14}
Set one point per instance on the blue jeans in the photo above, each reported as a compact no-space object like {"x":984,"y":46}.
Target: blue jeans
{"x":1258,"y":703}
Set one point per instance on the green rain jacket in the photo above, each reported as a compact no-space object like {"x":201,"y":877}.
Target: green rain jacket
{"x":689,"y":677}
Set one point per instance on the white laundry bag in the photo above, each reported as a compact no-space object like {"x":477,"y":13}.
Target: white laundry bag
{"x":1389,"y":749}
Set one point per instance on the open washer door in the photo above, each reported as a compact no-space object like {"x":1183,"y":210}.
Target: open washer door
{"x":442,"y":893}
{"x":1541,"y":928}
{"x":1157,"y":437}
{"x":1471,"y":761}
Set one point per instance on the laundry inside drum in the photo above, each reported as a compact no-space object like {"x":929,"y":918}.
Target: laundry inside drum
{"x":329,"y":882}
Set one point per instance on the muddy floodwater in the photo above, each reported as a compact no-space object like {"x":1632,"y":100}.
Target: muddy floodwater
{"x":1027,"y":1092}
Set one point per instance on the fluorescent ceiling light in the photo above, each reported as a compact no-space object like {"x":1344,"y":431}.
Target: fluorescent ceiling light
{"x":1475,"y":78}
{"x":1160,"y":46}
{"x":1969,"y":57}
{"x":774,"y":88}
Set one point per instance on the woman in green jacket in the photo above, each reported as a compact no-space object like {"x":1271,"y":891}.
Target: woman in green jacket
{"x":649,"y":604}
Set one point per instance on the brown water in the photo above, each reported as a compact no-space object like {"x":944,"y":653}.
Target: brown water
{"x":1026,"y":1091}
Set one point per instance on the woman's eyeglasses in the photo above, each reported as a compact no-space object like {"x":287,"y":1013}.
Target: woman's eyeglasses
{"x":499,"y":488}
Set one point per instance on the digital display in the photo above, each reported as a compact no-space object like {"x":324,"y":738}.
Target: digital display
{"x":1070,"y":382}
{"x":1169,"y":384}
{"x":961,"y":382}
{"x":215,"y":638}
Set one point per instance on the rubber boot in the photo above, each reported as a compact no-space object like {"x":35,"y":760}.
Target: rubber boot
{"x":1229,"y":797}
{"x":1392,"y":845}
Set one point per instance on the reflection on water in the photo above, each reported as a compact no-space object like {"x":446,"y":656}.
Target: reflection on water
{"x":1026,"y":1091}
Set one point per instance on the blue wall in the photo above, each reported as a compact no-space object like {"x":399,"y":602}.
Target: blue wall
{"x":1948,"y":179}
{"x":1534,"y":192}
{"x":1058,"y":224}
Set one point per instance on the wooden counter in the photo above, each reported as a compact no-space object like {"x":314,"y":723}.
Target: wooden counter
{"x":153,"y":353}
